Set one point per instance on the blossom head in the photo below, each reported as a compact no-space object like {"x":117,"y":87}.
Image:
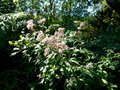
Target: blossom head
{"x":30,"y":21}
{"x":89,"y":65}
{"x":41,"y":21}
{"x":46,"y":51}
{"x":82,"y":24}
{"x":71,"y":79}
{"x":40,"y":36}
{"x":78,"y":32}
{"x":30,"y":25}
{"x":46,"y":40}
{"x":59,"y":34}
{"x":62,"y":47}
{"x":61,"y":29}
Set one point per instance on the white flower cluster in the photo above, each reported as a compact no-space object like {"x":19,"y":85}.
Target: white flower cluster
{"x":54,"y":42}
{"x":30,"y":25}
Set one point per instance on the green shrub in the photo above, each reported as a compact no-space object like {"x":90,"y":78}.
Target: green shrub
{"x":11,"y":26}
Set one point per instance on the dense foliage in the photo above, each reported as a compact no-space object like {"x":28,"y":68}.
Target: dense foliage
{"x":66,"y":45}
{"x":6,"y":6}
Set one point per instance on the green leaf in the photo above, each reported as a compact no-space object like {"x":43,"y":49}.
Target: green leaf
{"x":10,"y":42}
{"x":73,"y":62}
{"x":88,"y":73}
{"x":104,"y":81}
{"x":112,"y":67}
{"x":14,"y":53}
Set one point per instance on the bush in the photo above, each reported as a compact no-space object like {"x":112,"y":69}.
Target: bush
{"x":11,"y":26}
{"x":60,"y":61}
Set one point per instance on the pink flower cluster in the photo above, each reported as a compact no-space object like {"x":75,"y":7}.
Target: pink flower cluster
{"x":59,"y":33}
{"x":41,"y":21}
{"x":30,"y":25}
{"x":40,"y":36}
{"x":61,"y":29}
{"x":55,"y":41}
{"x":46,"y":51}
{"x":89,"y":65}
{"x":71,"y":79}
{"x":81,"y":25}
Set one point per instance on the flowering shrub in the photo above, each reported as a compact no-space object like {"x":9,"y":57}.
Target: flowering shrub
{"x":62,"y":62}
{"x":67,"y":56}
